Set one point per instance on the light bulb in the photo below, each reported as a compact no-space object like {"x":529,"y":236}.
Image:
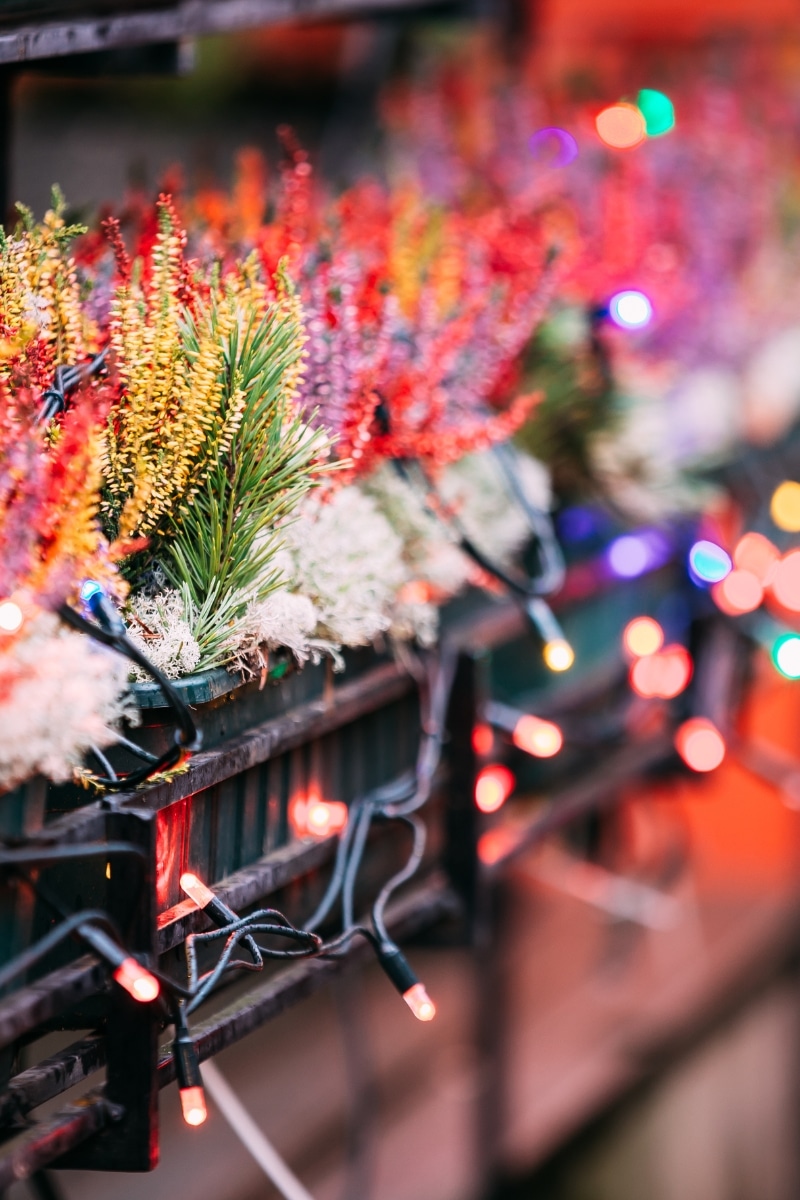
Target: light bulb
{"x":784,"y":507}
{"x":786,"y":655}
{"x":621,"y":126}
{"x":739,"y":592}
{"x":700,"y":744}
{"x":658,"y":112}
{"x":10,"y":616}
{"x":786,"y":581}
{"x":193,"y":1105}
{"x":137,"y":981}
{"x":482,"y":740}
{"x":542,"y":739}
{"x":420,"y":1002}
{"x":708,"y":562}
{"x":757,"y":554}
{"x":196,"y":889}
{"x":493,"y":787}
{"x":630,"y":310}
{"x":663,"y":675}
{"x":558,"y":654}
{"x":642,"y":636}
{"x":629,"y":556}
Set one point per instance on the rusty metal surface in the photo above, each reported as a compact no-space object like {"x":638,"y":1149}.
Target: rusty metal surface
{"x":51,"y":1077}
{"x":54,"y":1137}
{"x":42,"y":1001}
{"x":416,"y":910}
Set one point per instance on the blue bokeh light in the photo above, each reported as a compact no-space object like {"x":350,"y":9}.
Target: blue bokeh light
{"x":708,"y":562}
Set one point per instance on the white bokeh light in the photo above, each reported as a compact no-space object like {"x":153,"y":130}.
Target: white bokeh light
{"x":10,"y":616}
{"x":630,"y":310}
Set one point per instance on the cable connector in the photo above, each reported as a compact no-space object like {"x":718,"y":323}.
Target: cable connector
{"x":396,"y":966}
{"x":102,"y":607}
{"x":187,"y":1071}
{"x":128,"y":973}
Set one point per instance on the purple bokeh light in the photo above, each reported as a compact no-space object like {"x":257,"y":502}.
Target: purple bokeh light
{"x":553,"y":146}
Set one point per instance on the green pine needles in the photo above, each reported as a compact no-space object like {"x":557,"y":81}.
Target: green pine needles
{"x":222,"y":543}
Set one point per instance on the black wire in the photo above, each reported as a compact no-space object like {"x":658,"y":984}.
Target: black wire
{"x":69,"y":927}
{"x":524,"y":587}
{"x":186,"y":734}
{"x":54,"y":400}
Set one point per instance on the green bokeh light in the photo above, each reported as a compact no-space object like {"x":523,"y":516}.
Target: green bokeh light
{"x":786,"y":655}
{"x":657,"y":110}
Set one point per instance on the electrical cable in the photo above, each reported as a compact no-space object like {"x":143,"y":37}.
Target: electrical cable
{"x":67,"y":378}
{"x":109,"y":630}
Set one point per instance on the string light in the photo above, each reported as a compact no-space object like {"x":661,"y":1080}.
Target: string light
{"x":313,"y":817}
{"x":136,"y":981}
{"x":786,"y":581}
{"x":399,"y":971}
{"x":621,"y":126}
{"x":493,"y":786}
{"x":784,"y":506}
{"x":209,"y":901}
{"x":420,"y":1002}
{"x":482,"y":739}
{"x":739,"y":592}
{"x":630,"y":310}
{"x":10,"y":616}
{"x":187,"y":1070}
{"x":642,"y":636}
{"x":708,"y":562}
{"x":658,"y":112}
{"x":324,"y":817}
{"x":757,"y":554}
{"x":193,"y":1105}
{"x":558,"y":654}
{"x":542,"y":739}
{"x":786,"y":655}
{"x":557,"y":147}
{"x":629,"y":556}
{"x":700,"y":744}
{"x":663,"y":675}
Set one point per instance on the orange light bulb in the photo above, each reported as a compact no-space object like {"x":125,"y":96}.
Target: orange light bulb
{"x":493,"y":787}
{"x":642,"y":636}
{"x":324,"y":817}
{"x":621,"y":126}
{"x":196,"y":890}
{"x":663,"y":675}
{"x":137,"y":981}
{"x":193,"y":1105}
{"x":420,"y":1002}
{"x":739,"y":592}
{"x":540,"y":738}
{"x":482,"y":740}
{"x":756,"y":553}
{"x":700,"y":744}
{"x":786,"y":581}
{"x":558,"y":654}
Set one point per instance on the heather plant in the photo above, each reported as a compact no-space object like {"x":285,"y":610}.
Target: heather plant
{"x":205,"y":450}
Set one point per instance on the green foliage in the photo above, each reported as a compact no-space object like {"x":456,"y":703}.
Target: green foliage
{"x":223,"y":542}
